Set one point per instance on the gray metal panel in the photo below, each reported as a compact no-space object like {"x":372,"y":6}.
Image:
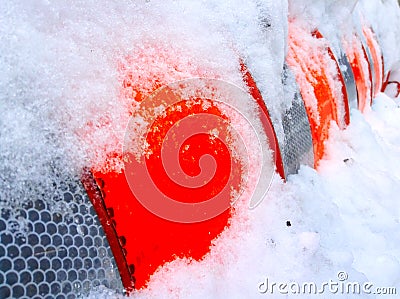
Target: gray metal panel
{"x":349,"y":80}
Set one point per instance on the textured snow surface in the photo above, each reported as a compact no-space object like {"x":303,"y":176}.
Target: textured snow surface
{"x":61,"y":108}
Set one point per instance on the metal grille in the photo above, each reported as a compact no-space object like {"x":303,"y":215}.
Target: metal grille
{"x":55,"y":249}
{"x":296,"y":146}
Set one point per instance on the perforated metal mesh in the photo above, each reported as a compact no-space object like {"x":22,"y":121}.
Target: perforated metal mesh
{"x":54,"y":248}
{"x":296,"y":146}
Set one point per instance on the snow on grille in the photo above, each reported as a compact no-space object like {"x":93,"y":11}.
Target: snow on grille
{"x":54,"y":249}
{"x":296,"y":146}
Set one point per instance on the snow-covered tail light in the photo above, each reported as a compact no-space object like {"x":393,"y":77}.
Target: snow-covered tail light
{"x":193,"y":148}
{"x":320,"y":81}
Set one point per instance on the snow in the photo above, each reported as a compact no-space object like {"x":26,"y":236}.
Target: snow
{"x":59,"y":79}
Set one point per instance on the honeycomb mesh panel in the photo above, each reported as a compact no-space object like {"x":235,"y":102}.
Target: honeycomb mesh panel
{"x":296,"y":145}
{"x":54,"y":248}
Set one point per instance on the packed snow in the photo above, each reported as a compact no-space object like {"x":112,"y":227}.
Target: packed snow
{"x":60,"y":78}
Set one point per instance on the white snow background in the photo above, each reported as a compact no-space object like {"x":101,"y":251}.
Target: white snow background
{"x":58,"y":71}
